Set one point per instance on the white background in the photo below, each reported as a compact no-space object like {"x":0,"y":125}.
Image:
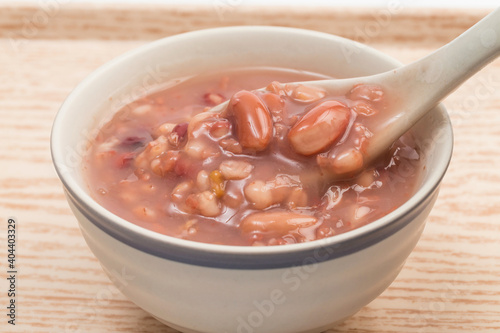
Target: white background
{"x":364,"y":3}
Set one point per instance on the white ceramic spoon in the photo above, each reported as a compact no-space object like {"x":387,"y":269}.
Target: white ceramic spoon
{"x":413,"y":90}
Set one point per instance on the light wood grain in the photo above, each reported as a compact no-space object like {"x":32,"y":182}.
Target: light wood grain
{"x":450,"y":283}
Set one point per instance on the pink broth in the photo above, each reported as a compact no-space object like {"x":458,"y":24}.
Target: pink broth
{"x":258,"y":173}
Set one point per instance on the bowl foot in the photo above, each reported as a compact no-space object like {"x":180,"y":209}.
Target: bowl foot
{"x":315,"y":330}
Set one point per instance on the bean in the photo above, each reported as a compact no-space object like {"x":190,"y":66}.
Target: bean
{"x":265,"y":194}
{"x":186,"y":166}
{"x":108,"y":145}
{"x":178,"y":135}
{"x":208,"y":204}
{"x":181,"y":191}
{"x":164,"y":129}
{"x":231,"y":145}
{"x":360,"y":136}
{"x":276,"y":241}
{"x":279,"y":223}
{"x":203,"y":180}
{"x":190,"y":227}
{"x":275,"y":105}
{"x":366,"y":92}
{"x":153,"y":150}
{"x":142,"y":110}
{"x":128,"y":195}
{"x":232,"y":199}
{"x":198,"y":149}
{"x":142,"y":174}
{"x":347,"y":162}
{"x":363,"y":108}
{"x":235,"y":170}
{"x":217,"y":183}
{"x":213,"y":99}
{"x":276,"y":88}
{"x":220,"y":128}
{"x":259,"y":194}
{"x":133,"y":140}
{"x":306,"y":94}
{"x":297,"y":198}
{"x":361,"y":212}
{"x":164,"y":163}
{"x":253,"y":120}
{"x":319,"y":128}
{"x":324,"y":232}
{"x":191,"y":203}
{"x":366,"y":179}
{"x":199,"y":124}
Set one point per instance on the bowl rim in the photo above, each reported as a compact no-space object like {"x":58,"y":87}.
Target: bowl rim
{"x":231,"y":256}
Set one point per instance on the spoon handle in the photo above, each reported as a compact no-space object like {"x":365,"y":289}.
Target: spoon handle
{"x":438,"y":74}
{"x":423,"y":83}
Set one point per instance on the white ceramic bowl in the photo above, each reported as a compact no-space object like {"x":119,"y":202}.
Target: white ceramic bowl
{"x":197,"y":287}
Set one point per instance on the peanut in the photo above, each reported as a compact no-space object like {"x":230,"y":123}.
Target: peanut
{"x":319,"y":128}
{"x":254,"y":126}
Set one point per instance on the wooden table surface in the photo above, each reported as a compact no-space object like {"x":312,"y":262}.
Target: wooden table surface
{"x":451,"y":281}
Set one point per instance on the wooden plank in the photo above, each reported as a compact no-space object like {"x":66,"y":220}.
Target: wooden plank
{"x":63,"y":20}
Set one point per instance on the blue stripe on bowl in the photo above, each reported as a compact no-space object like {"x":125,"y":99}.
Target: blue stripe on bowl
{"x":325,"y":249}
